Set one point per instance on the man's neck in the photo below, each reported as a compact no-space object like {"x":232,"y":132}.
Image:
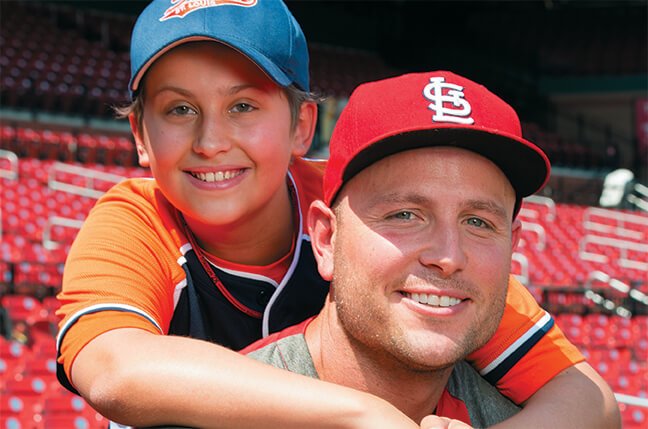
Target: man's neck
{"x":338,"y":359}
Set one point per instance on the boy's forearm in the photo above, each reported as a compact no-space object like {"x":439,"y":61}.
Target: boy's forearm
{"x":154,"y":380}
{"x":576,"y":398}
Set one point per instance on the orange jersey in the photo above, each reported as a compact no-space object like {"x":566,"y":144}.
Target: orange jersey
{"x":133,"y":265}
{"x":527,"y":350}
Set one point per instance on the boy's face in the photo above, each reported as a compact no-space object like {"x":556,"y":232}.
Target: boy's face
{"x":216,"y":133}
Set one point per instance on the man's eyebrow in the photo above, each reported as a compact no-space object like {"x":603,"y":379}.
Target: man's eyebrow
{"x":488,"y":206}
{"x":399,"y":198}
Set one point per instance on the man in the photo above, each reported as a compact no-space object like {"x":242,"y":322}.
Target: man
{"x":426,"y":176}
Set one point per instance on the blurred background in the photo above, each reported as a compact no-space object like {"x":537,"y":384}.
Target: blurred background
{"x":575,"y":70}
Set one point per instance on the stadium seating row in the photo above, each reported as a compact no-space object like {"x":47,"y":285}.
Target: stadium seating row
{"x":561,"y":249}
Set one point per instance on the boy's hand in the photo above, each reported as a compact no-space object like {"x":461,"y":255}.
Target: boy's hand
{"x":436,"y":422}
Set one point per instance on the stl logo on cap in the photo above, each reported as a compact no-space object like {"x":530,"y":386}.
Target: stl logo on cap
{"x":459,"y":114}
{"x":181,"y":8}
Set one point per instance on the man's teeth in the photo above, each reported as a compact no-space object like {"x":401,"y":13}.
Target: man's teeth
{"x":434,"y":300}
{"x":219,"y":176}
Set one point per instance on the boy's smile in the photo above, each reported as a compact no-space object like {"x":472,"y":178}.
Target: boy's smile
{"x":218,"y":137}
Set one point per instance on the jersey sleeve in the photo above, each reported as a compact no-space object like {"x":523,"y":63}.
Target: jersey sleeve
{"x":527,"y":350}
{"x":121,"y":272}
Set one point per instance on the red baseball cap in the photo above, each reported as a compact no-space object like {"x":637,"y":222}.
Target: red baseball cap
{"x":431,"y":109}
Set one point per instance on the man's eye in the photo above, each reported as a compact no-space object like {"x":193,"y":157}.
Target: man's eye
{"x":403,"y":215}
{"x":242,"y":108}
{"x":182,"y":110}
{"x":477,"y":222}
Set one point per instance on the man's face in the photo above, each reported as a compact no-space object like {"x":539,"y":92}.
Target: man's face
{"x":421,"y":255}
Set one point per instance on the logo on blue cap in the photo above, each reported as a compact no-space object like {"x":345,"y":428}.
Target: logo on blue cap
{"x":263,"y":30}
{"x":182,"y":8}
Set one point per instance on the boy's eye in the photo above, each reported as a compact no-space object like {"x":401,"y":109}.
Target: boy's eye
{"x":242,"y":108}
{"x":182,"y":110}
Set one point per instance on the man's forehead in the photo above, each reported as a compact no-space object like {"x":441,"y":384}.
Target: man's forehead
{"x":435,"y":156}
{"x":415,"y":176}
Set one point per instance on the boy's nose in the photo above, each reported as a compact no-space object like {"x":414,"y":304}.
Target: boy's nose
{"x":212,"y":139}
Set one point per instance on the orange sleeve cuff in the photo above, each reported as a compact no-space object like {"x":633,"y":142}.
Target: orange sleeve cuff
{"x":90,"y":326}
{"x":523,"y":318}
{"x":550,"y":356}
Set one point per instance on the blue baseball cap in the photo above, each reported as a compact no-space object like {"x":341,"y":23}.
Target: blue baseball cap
{"x":263,"y":30}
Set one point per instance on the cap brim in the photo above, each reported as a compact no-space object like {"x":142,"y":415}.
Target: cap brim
{"x":267,"y":66}
{"x":526,"y":166}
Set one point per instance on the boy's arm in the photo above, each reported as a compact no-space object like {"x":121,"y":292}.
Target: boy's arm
{"x":137,"y":378}
{"x":576,"y":398}
{"x":531,"y":361}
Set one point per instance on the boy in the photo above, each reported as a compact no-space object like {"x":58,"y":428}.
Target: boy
{"x":214,"y":251}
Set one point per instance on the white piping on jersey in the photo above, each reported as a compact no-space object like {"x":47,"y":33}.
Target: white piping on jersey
{"x":513,"y":347}
{"x":102,"y":307}
{"x":184,"y":249}
{"x":278,"y":286}
{"x":314,"y":159}
{"x":177,"y":291}
{"x":265,"y":326}
{"x":245,"y":274}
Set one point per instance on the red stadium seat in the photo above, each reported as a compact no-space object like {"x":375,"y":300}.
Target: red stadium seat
{"x":634,"y":417}
{"x":65,"y":405}
{"x":13,"y":350}
{"x":27,"y":386}
{"x":65,"y":421}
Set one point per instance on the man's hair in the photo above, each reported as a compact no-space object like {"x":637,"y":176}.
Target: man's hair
{"x":296,"y":97}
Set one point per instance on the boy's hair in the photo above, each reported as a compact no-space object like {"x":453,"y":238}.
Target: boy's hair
{"x":295,"y":96}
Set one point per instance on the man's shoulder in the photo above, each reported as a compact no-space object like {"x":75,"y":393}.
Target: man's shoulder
{"x":485,"y":404}
{"x":286,"y":349}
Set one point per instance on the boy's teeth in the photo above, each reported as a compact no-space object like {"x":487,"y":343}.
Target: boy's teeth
{"x":219,"y":176}
{"x":434,"y":300}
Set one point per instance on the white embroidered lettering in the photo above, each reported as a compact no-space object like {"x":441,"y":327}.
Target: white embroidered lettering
{"x":459,"y":111}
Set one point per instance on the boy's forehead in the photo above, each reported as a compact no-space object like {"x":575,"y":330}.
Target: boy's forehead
{"x":216,"y":53}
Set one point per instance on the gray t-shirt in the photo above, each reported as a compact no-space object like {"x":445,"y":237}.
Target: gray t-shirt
{"x":486,"y":406}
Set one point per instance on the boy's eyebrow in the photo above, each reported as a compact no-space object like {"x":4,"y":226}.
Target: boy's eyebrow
{"x":231,"y":91}
{"x":171,"y":88}
{"x":238,"y":88}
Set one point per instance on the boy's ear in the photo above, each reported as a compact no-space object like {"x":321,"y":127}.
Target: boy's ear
{"x":142,"y":154}
{"x":321,"y":228}
{"x":305,"y":128}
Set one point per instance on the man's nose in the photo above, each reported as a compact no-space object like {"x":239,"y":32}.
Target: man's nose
{"x":443,"y":250}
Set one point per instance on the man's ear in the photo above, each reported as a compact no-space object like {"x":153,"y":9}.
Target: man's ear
{"x":305,"y":128}
{"x":321,"y":227}
{"x":142,"y":154}
{"x":516,"y":231}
